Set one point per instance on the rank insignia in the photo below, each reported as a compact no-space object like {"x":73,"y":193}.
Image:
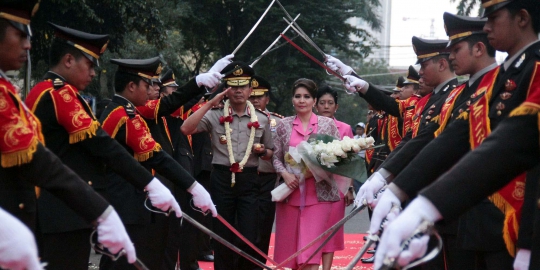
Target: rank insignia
{"x":500,"y":106}
{"x":521,"y":59}
{"x":446,"y":88}
{"x":505,"y":95}
{"x":223,"y":139}
{"x":510,"y":85}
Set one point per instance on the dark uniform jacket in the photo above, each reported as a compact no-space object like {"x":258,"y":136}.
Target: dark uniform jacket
{"x":510,"y":89}
{"x":128,"y":201}
{"x":43,"y":168}
{"x":87,"y":157}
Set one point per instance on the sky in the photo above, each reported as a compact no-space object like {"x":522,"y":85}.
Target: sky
{"x":416,"y":18}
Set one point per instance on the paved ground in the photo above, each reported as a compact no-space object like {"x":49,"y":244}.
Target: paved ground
{"x":357,"y":224}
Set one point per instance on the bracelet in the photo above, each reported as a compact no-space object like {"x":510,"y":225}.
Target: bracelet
{"x":263,"y":153}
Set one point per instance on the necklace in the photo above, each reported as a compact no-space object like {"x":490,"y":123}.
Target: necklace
{"x":238,"y":166}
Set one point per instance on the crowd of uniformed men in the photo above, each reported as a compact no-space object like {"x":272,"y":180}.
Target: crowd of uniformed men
{"x":461,"y":155}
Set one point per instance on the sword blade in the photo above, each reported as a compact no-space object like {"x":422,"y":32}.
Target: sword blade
{"x":140,"y":265}
{"x":359,"y":255}
{"x":253,"y":28}
{"x":275,"y":41}
{"x":307,"y":38}
{"x":224,"y":242}
{"x":28,"y":76}
{"x":331,"y":229}
{"x":244,"y":239}
{"x":312,"y":58}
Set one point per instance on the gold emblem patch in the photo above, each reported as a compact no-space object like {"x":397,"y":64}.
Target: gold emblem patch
{"x":254,"y":83}
{"x":238,"y":72}
{"x":104,"y":47}
{"x":159,"y":68}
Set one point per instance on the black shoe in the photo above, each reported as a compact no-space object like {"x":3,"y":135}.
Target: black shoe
{"x":368,"y":260}
{"x":206,"y":258}
{"x":365,"y":237}
{"x":371,"y":251}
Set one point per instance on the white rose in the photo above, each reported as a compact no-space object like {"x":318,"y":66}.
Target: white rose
{"x":370,"y":141}
{"x":361,"y":143}
{"x":356,"y":148}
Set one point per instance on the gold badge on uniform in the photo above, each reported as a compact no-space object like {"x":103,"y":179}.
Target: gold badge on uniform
{"x":223,"y":139}
{"x":238,"y":72}
{"x":273,"y":122}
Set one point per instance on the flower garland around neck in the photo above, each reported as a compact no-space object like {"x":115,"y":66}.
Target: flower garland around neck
{"x":254,"y":124}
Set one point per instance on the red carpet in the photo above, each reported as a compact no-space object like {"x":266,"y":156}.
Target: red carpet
{"x":353,"y":243}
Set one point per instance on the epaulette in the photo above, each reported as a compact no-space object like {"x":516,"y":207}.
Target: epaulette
{"x":58,"y":83}
{"x":277,"y":115}
{"x":130,"y":110}
{"x":263,"y":112}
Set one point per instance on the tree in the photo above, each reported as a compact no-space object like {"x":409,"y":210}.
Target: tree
{"x":465,"y":7}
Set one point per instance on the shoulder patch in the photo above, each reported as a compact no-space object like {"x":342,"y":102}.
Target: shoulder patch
{"x":58,"y":83}
{"x":277,"y":115}
{"x":263,"y":112}
{"x":130,"y":110}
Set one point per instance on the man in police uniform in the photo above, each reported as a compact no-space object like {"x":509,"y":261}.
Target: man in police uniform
{"x":397,"y":89}
{"x":125,"y":124}
{"x":25,"y":162}
{"x":505,"y":88}
{"x":260,"y":97}
{"x":234,"y":185}
{"x":410,"y":85}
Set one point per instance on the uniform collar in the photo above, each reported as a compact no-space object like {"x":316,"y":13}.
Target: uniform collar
{"x":3,"y":75}
{"x":481,"y":73}
{"x":509,"y":61}
{"x":440,"y":86}
{"x":246,"y":110}
{"x":122,"y":100}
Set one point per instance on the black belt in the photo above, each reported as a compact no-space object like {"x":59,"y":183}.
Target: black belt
{"x":227,"y":168}
{"x":266,"y":173}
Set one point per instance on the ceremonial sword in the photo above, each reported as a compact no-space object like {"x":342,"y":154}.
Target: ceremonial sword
{"x":335,"y":227}
{"x":275,"y":41}
{"x":253,"y":28}
{"x":215,"y":236}
{"x":28,"y":76}
{"x":425,"y":227}
{"x":101,"y":250}
{"x":301,"y":32}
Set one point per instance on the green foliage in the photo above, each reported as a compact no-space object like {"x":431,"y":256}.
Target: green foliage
{"x":465,"y":7}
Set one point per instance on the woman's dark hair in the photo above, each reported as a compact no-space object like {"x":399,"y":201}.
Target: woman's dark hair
{"x":326,"y":89}
{"x":310,"y":85}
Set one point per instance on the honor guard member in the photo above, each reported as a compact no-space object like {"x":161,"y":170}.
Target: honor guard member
{"x":397,"y":89}
{"x":470,"y":54}
{"x":409,"y":92}
{"x":498,"y":163}
{"x":125,"y":124}
{"x":74,"y":134}
{"x":182,"y":238}
{"x":25,"y":162}
{"x":260,"y":97}
{"x":240,"y":136}
{"x":436,"y":71}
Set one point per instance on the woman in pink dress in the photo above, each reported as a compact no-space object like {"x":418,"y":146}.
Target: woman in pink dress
{"x":303,"y":216}
{"x":327,"y":105}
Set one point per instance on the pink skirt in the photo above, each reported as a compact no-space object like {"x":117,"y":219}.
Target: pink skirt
{"x":295,"y":229}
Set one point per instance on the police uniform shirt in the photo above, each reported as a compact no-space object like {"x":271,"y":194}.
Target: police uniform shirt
{"x":266,"y":166}
{"x":239,"y":136}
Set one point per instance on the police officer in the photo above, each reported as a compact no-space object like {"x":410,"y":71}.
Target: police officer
{"x":25,"y":162}
{"x":125,"y":124}
{"x":260,"y":97}
{"x":240,"y":136}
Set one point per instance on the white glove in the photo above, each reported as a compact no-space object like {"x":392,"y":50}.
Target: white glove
{"x":387,"y":200}
{"x":209,"y":79}
{"x":355,"y":84}
{"x":221,"y":63}
{"x":402,"y":228}
{"x":161,"y":197}
{"x":18,"y":249}
{"x":367,"y":191}
{"x":201,"y":199}
{"x":522,"y":260}
{"x":337,"y":66}
{"x":113,"y":235}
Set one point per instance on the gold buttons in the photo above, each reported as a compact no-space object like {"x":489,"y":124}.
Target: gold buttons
{"x":21,"y":206}
{"x":89,"y":183}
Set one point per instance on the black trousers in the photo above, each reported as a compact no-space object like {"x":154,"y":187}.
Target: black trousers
{"x":67,"y":250}
{"x":267,"y":211}
{"x":205,"y":246}
{"x":149,"y":241}
{"x":238,"y":205}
